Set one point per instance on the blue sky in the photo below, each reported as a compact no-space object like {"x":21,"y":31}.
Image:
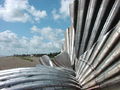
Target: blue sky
{"x":32,"y":26}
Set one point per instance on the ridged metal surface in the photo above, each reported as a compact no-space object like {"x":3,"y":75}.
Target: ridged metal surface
{"x":98,"y":47}
{"x":89,"y":59}
{"x":97,"y":43}
{"x":38,"y":78}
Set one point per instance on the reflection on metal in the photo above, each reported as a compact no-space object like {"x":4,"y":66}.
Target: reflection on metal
{"x":90,"y":56}
{"x":97,"y":62}
{"x":38,"y":78}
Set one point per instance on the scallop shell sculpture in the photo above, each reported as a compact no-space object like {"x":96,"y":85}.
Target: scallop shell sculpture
{"x":89,"y":58}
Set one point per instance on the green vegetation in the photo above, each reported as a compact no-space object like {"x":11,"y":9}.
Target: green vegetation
{"x":29,"y":56}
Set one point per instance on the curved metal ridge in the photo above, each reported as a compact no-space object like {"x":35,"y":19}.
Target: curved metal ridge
{"x":81,"y":7}
{"x":37,"y":77}
{"x":106,"y":52}
{"x":90,"y":56}
{"x":89,"y":17}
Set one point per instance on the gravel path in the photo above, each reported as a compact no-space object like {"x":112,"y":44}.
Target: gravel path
{"x":15,"y":62}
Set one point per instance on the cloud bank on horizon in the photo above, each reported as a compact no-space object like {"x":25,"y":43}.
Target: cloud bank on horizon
{"x":44,"y":38}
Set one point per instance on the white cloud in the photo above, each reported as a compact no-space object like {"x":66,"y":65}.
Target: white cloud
{"x":49,"y":33}
{"x":47,"y":40}
{"x":36,"y":13}
{"x":63,"y":11}
{"x":56,"y":15}
{"x":20,"y":11}
{"x":7,"y":36}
